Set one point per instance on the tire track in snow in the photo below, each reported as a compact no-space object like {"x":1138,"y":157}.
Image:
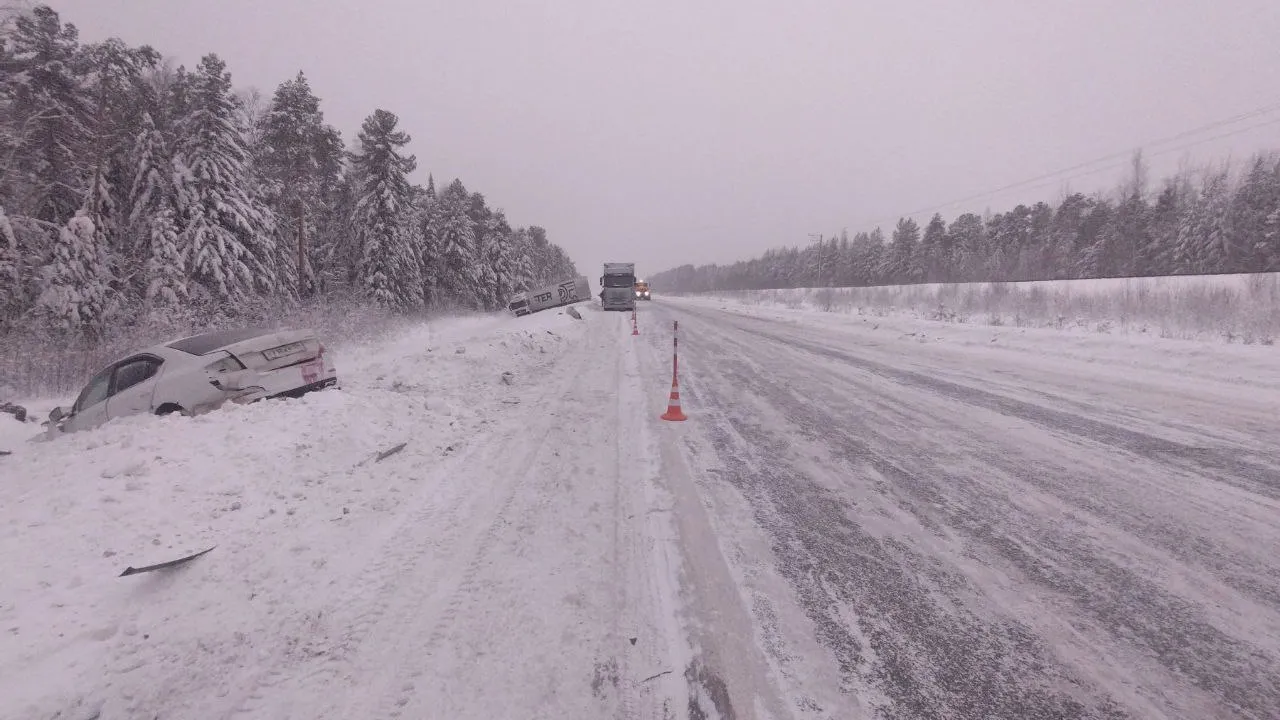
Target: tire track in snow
{"x":421,"y":620}
{"x":922,"y":633}
{"x":401,"y":550}
{"x":649,"y":686}
{"x":1261,"y":478}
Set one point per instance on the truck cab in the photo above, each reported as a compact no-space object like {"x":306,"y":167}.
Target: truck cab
{"x":618,"y":285}
{"x":642,"y":290}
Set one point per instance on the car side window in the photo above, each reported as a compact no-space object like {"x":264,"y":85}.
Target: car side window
{"x":132,"y":372}
{"x":96,"y":391}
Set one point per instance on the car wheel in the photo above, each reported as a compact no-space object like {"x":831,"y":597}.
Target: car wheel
{"x":169,"y":409}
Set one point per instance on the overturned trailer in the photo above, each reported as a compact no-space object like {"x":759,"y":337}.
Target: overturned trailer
{"x":549,"y":296}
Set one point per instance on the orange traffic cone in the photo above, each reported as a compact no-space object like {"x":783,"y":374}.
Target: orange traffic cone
{"x":635,"y":329}
{"x":674,"y":413}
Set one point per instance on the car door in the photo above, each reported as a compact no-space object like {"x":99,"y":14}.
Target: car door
{"x":90,"y":409}
{"x":133,"y":385}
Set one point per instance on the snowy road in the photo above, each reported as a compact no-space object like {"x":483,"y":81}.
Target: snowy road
{"x":978,"y":531}
{"x":862,"y":518}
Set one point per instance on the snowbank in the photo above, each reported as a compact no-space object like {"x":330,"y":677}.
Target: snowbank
{"x":284,"y":489}
{"x":1230,"y":308}
{"x":1133,"y":357}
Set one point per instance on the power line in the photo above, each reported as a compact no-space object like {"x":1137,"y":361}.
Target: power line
{"x":1166,"y":151}
{"x":1261,"y":111}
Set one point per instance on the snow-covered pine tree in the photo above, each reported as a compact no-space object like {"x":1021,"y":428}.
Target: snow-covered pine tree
{"x":1218,"y":244}
{"x":900,"y":261}
{"x":302,"y":156}
{"x":1201,"y":231}
{"x":1271,"y":236}
{"x":1254,"y":202}
{"x":47,"y":113}
{"x":11,"y":296}
{"x":153,"y":227}
{"x":389,"y":268}
{"x":487,"y":291}
{"x":113,"y":78}
{"x":336,"y":251}
{"x":76,"y":289}
{"x":1156,"y":256}
{"x":934,"y":250}
{"x":503,"y":260}
{"x":459,"y":264}
{"x":522,"y":263}
{"x":226,"y":237}
{"x":497,"y":261}
{"x":100,"y":208}
{"x":873,"y":257}
{"x":426,"y":222}
{"x":539,"y":254}
{"x":165,"y":271}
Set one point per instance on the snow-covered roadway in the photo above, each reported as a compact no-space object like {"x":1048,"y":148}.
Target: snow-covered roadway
{"x":862,"y":518}
{"x":989,"y":523}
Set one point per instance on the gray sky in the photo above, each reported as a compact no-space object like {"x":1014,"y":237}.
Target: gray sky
{"x":670,"y":132}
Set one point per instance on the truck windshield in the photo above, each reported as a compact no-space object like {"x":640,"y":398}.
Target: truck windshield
{"x":619,"y":281}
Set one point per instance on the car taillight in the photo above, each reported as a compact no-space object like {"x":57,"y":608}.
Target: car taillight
{"x":226,"y":364}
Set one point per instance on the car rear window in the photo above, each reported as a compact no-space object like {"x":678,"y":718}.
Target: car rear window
{"x":208,"y":342}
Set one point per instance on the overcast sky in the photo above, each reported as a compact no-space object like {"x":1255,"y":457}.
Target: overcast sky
{"x":670,"y":132}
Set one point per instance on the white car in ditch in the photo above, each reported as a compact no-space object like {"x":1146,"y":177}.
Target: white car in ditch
{"x":200,"y":373}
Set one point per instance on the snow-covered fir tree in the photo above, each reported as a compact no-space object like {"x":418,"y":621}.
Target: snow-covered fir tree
{"x":1254,"y":202}
{"x":76,"y":289}
{"x":301,"y":156}
{"x":48,"y":112}
{"x":226,"y":238}
{"x":153,"y":226}
{"x":499,"y":257}
{"x":11,"y":296}
{"x":425,"y":223}
{"x":165,"y":272}
{"x":459,"y":275}
{"x":389,"y":270}
{"x":522,"y":263}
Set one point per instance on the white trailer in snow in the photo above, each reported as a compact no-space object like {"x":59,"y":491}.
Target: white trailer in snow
{"x":561,"y":293}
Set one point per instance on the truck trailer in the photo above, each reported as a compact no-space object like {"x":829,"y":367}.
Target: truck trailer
{"x":550,"y":296}
{"x":618,"y":286}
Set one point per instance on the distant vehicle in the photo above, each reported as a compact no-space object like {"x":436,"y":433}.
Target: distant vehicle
{"x":561,"y":293}
{"x":198,"y":374}
{"x":617,"y":286}
{"x":642,"y":290}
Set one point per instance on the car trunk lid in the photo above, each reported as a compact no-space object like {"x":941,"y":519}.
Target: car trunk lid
{"x":276,"y":350}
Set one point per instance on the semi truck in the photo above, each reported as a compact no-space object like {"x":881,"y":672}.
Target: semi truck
{"x":618,"y":286}
{"x":642,"y":290}
{"x":562,"y":293}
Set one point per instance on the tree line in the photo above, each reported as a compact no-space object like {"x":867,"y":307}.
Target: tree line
{"x":1211,"y":222}
{"x":131,"y":189}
